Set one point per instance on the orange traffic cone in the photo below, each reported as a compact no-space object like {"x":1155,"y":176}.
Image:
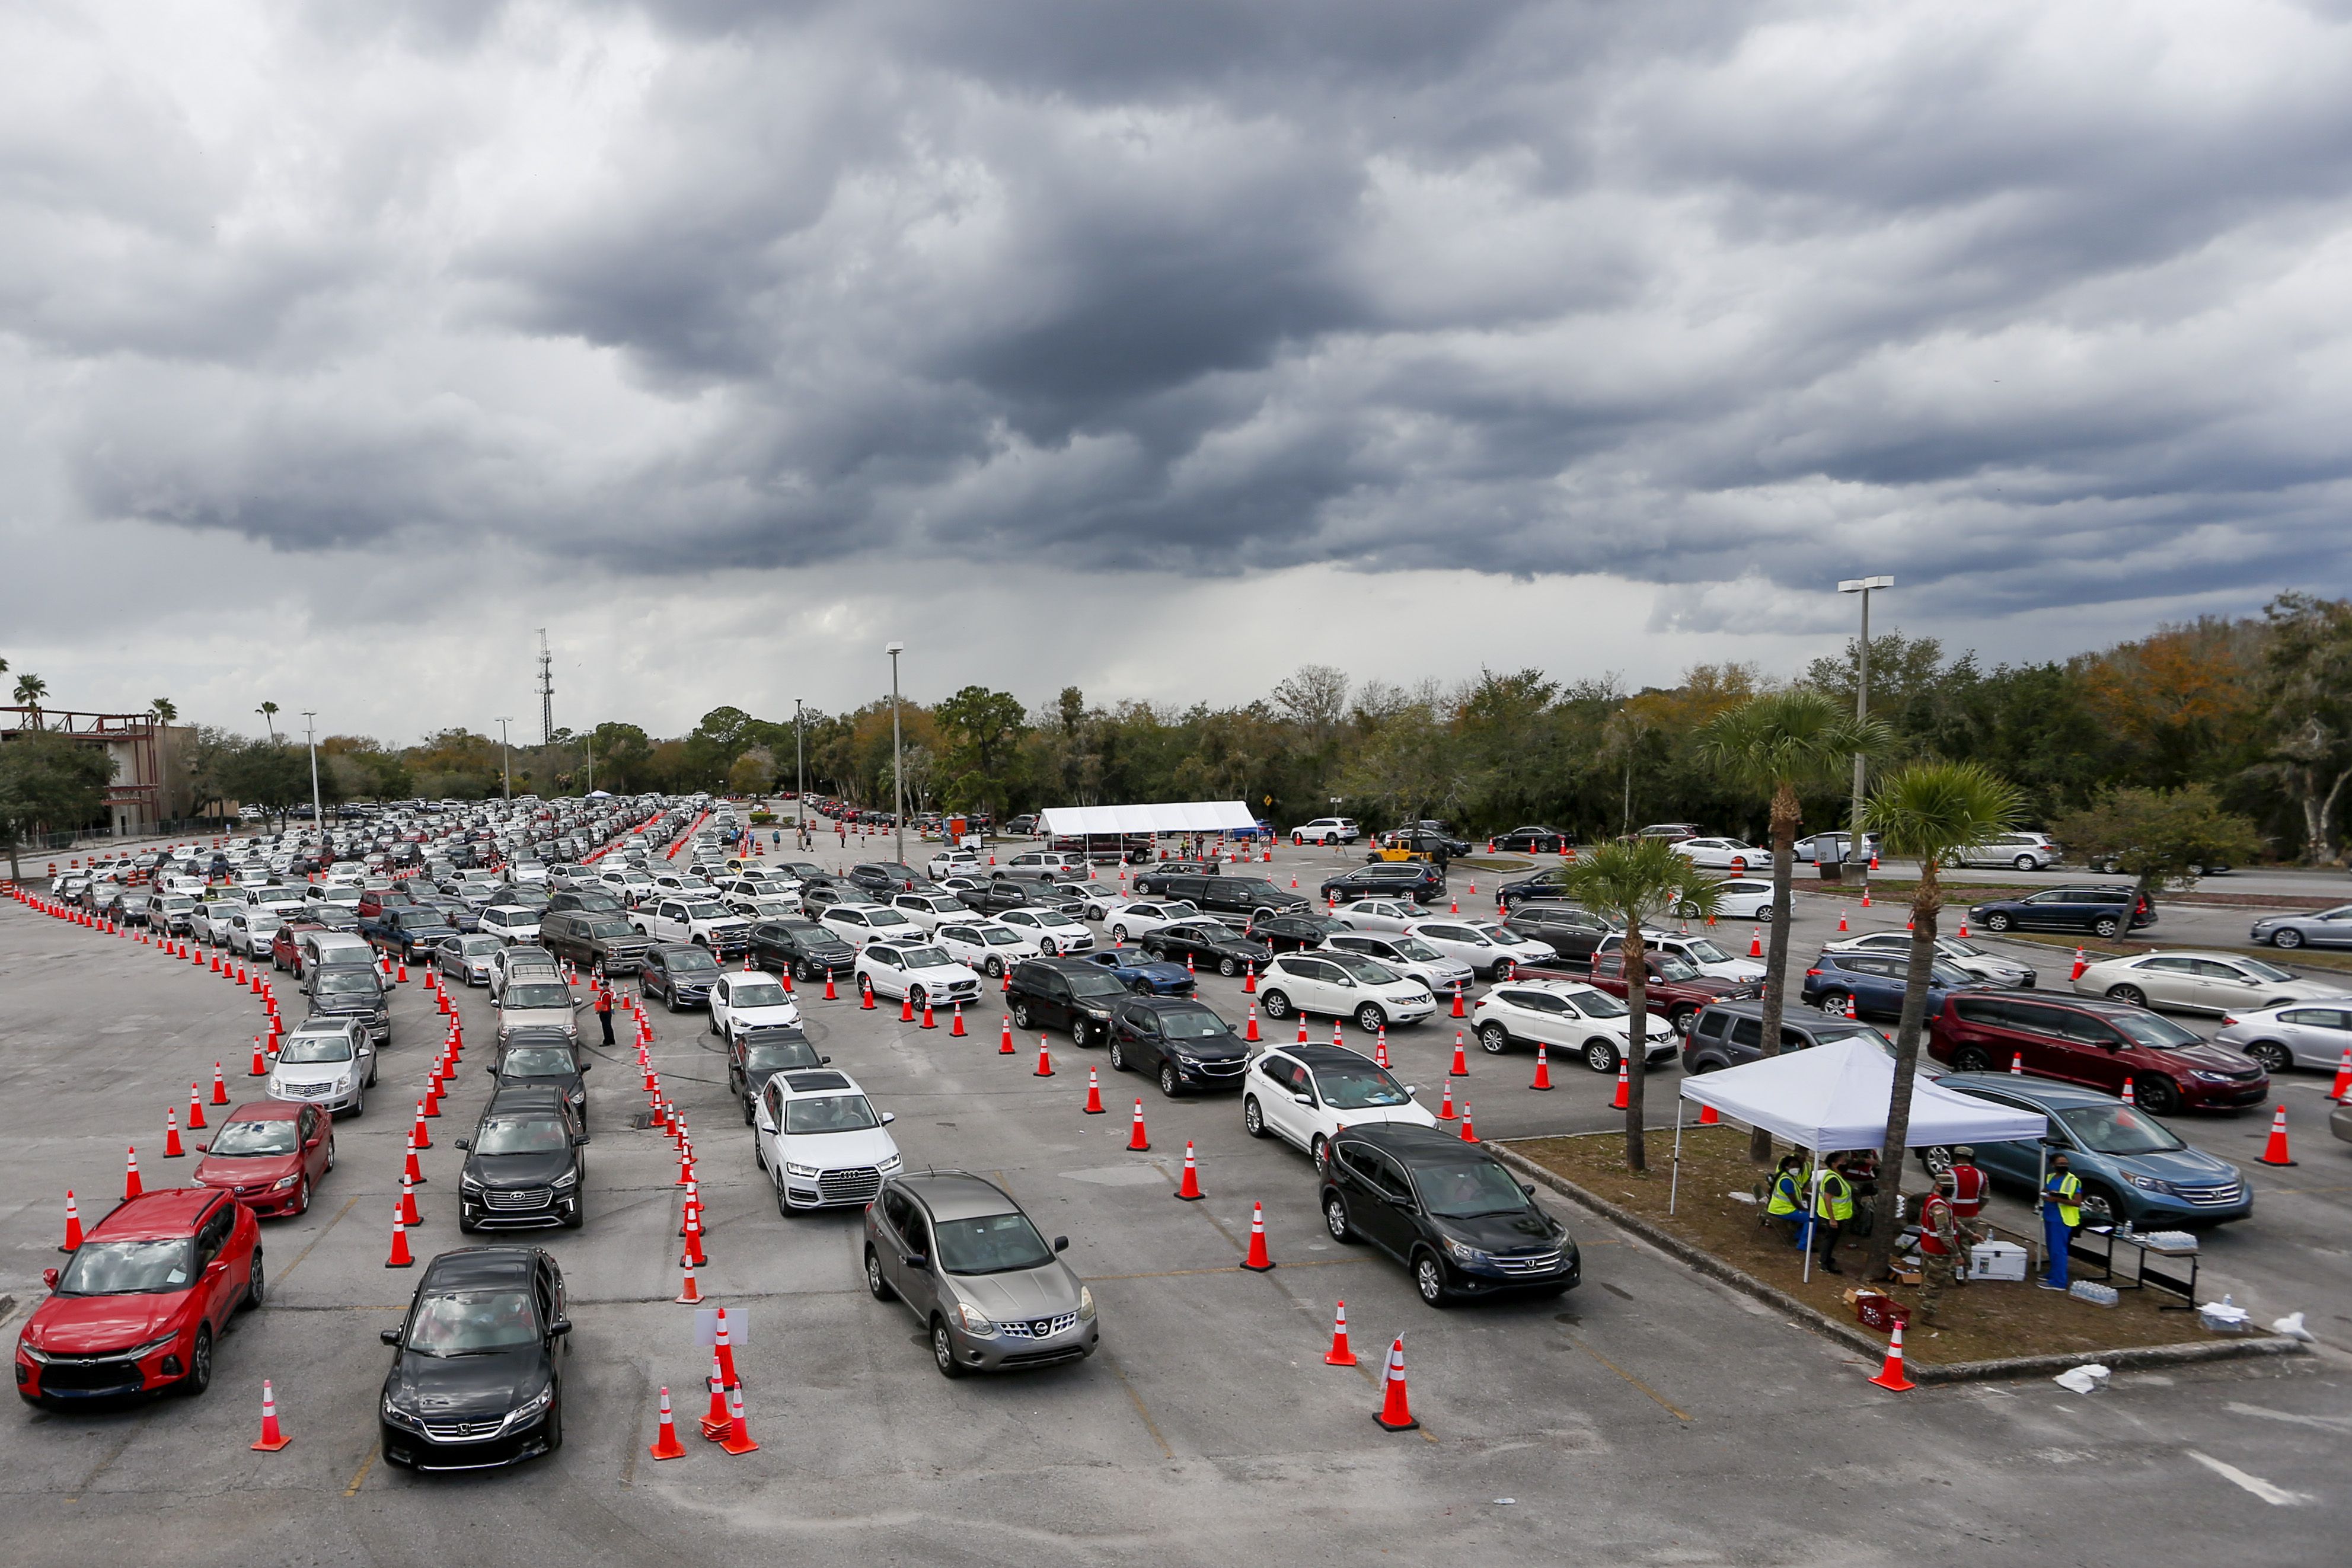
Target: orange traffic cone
{"x":400,"y":1258}
{"x":1191,"y":1189}
{"x":1257,"y":1261}
{"x":957,"y":1031}
{"x":1005,"y":1046}
{"x":1841,"y":919}
{"x":1249,"y":980}
{"x":1624,"y":1086}
{"x":131,"y":1185}
{"x":220,"y":1086}
{"x":196,"y":1123}
{"x":1890,"y":1376}
{"x":1458,"y":1010}
{"x":408,"y":1215}
{"x":1707,"y":1117}
{"x":1136,"y":1140}
{"x":715,"y":1419}
{"x":260,"y":1068}
{"x":2017,"y":1063}
{"x":1446,"y":1105}
{"x":1094,"y":1106}
{"x":419,"y":1135}
{"x":693,"y":1253}
{"x":1469,"y":1134}
{"x":2275,"y":1151}
{"x":2079,"y":964}
{"x":1302,"y":1028}
{"x":2128,"y":1093}
{"x":1251,"y":1033}
{"x":1045,"y":1061}
{"x":2343,"y":1085}
{"x":1339,"y":1354}
{"x":1851,"y":1013}
{"x":830,"y":994}
{"x":907,"y":1008}
{"x":1396,"y":1411}
{"x":1543,"y":1069}
{"x":1755,"y":942}
{"x":73,"y":1225}
{"x":666,"y":1444}
{"x":739,"y":1436}
{"x":172,"y":1149}
{"x":866,"y":998}
{"x":1461,"y":1068}
{"x":688,"y":1294}
{"x":929,"y":1021}
{"x":271,"y":1438}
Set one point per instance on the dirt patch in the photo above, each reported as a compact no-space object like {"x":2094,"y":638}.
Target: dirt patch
{"x":1981,"y":1322}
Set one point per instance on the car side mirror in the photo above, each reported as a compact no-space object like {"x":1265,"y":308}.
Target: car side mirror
{"x":389,"y":1336}
{"x":825,"y":1062}
{"x":49,"y":1278}
{"x":1304,"y":1099}
{"x":1061,"y":1244}
{"x":1528,"y":1187}
{"x":464,"y":1142}
{"x":578,"y":1140}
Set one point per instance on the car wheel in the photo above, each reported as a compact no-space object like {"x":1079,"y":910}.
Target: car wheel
{"x":1021,"y":1016}
{"x":1253,"y":1119}
{"x":1049,"y":948}
{"x":1370,"y":1017}
{"x":256,"y":1285}
{"x":1494,"y":1039}
{"x":783,"y":1204}
{"x":554,"y":1427}
{"x":1972,"y":1059}
{"x":1680,"y":1019}
{"x":1996,"y":921}
{"x":748,"y":1118}
{"x":2107,"y":926}
{"x":2131,"y":995}
{"x":1764,"y":915}
{"x":1319,"y":1151}
{"x":1277,"y":1005}
{"x":330,"y":1153}
{"x":876,"y":1285}
{"x":1335,"y":1219}
{"x":1119,"y":933}
{"x":917,"y":997}
{"x":1601,"y":1055}
{"x":1228,"y":967}
{"x":2156,"y":1096}
{"x":1118,"y":1058}
{"x":200,"y":1365}
{"x":1168,"y":1085}
{"x":1080,"y":1034}
{"x":2275,"y":1058}
{"x":1835,"y":1002}
{"x":2288,"y":938}
{"x":2024,"y":862}
{"x":943,"y":1350}
{"x":1429,"y":1281}
{"x":1506,"y":969}
{"x":670,"y":1001}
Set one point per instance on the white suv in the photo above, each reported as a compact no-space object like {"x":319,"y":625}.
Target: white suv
{"x":1304,"y":1093}
{"x":1495,"y":951}
{"x":749,"y":999}
{"x":985,"y":945}
{"x":821,"y":1141}
{"x":858,"y":924}
{"x":1700,"y":952}
{"x":1327,"y":830}
{"x":1145,"y":915}
{"x":956,"y":863}
{"x":1568,"y":1016}
{"x":1053,"y":931}
{"x":2024,"y":852}
{"x":1342,"y":985}
{"x":917,"y":970}
{"x":1408,"y":956}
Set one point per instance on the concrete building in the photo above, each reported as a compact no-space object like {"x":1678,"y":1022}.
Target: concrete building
{"x":150,"y":784}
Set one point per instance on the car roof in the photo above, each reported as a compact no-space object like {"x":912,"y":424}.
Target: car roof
{"x":264,"y":1111}
{"x":170,"y":1211}
{"x":1406,"y":1141}
{"x":515,"y":1097}
{"x":1318,"y":1055}
{"x":536,"y":1034}
{"x":480,"y":1266}
{"x":2039,"y":1090}
{"x":818,"y":1081}
{"x":958,"y":1195}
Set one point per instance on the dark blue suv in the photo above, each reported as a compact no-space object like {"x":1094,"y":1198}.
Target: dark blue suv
{"x":1874,"y":982}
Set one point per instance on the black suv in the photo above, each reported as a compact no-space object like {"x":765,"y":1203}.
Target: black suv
{"x":757,"y":1055}
{"x":1005,"y":891}
{"x":1531,"y":841}
{"x":886,"y":876}
{"x":681,"y":976}
{"x":1253,"y":897}
{"x":523,"y":1165}
{"x":1417,"y":880}
{"x":1727,"y":1034}
{"x":803,"y":949}
{"x":1449,"y":1211}
{"x":1296,"y":932}
{"x":1569,"y":930}
{"x":1073,"y":994}
{"x":2100,"y":911}
{"x":1181,"y":1041}
{"x":545,"y":1057}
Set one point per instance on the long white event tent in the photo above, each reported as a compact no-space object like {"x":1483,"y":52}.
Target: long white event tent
{"x":1182,"y":817}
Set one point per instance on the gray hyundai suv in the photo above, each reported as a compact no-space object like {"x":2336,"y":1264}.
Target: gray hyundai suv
{"x":990,"y":1294}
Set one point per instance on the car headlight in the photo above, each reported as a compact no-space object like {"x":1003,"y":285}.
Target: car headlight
{"x":808,"y":1171}
{"x":534,"y":1405}
{"x":2150,"y":1183}
{"x":579,"y":1096}
{"x":568,"y":1179}
{"x":399,"y":1417}
{"x":2214,"y":1077}
{"x":1086,"y":1304}
{"x":1463,"y":1253}
{"x":469,"y":1186}
{"x":141,"y":1352}
{"x":890,"y":1163}
{"x":974,"y":1322}
{"x":284,"y":1183}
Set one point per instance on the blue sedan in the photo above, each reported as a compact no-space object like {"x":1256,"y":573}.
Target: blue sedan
{"x":2121,"y":1153}
{"x":1138,"y":971}
{"x":1875,"y":982}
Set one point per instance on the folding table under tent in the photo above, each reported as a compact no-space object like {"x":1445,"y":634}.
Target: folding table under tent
{"x":1835,"y":1096}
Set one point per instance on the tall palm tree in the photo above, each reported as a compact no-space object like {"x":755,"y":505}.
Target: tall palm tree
{"x":1928,"y":812}
{"x":1635,"y":881}
{"x":268,"y":712}
{"x":1776,"y":744}
{"x":164,"y":709}
{"x":30,"y":690}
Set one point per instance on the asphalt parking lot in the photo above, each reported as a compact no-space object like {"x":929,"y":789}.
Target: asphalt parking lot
{"x":1649,"y":1416}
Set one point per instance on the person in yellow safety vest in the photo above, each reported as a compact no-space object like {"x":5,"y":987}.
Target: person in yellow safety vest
{"x":1786,"y":1201}
{"x":2062,"y":1211}
{"x":1833,"y":1207}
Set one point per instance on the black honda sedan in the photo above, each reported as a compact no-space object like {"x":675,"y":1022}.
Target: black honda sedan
{"x":476,"y":1376}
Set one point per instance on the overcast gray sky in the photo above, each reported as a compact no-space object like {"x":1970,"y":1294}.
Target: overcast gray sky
{"x":1152,"y":348}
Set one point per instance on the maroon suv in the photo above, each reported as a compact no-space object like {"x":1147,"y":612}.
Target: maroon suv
{"x":1677,"y":988}
{"x":2098,"y":1043}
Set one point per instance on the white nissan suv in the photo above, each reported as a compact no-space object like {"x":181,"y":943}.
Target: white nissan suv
{"x":1565,"y":1015}
{"x":1342,"y":985}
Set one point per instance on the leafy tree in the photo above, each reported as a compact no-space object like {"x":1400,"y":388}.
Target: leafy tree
{"x":30,"y":690}
{"x":1637,"y":880}
{"x":982,"y":730}
{"x":271,"y":775}
{"x":51,"y":782}
{"x":164,"y":709}
{"x":1775,"y":744}
{"x":1926,"y":811}
{"x":268,"y":712}
{"x":2307,"y":690}
{"x":754,"y":773}
{"x":2160,"y":838}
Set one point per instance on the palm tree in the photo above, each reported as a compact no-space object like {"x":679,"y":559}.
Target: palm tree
{"x":1634,"y":881}
{"x":30,"y":690}
{"x":164,"y":709}
{"x":268,"y":712}
{"x":1928,"y":812}
{"x":1776,"y":744}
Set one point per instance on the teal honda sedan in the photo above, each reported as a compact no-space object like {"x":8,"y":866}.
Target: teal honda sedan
{"x":2123,"y":1155}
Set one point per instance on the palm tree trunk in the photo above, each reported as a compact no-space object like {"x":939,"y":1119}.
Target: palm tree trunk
{"x":1785,"y":813}
{"x":1927,"y":903}
{"x":1637,"y":1045}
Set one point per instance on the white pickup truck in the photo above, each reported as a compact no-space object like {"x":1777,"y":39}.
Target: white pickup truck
{"x":705,"y":922}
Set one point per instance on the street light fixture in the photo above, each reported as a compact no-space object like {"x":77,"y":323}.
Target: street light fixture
{"x":897,"y":770}
{"x":506,"y":772}
{"x":1857,"y":856}
{"x":800,"y":781}
{"x":311,"y":732}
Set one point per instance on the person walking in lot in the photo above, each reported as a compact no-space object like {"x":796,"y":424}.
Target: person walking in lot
{"x":604,"y":1012}
{"x":1942,"y":1236}
{"x":2062,"y":1195}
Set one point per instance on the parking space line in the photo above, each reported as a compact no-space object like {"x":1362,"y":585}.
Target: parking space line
{"x":1653,"y":1394}
{"x":365,"y":1466}
{"x":1141,"y":1413}
{"x":1220,"y":1269}
{"x":320,"y":1237}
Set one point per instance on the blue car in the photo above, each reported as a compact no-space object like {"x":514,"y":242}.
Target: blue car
{"x":1138,"y":971}
{"x":2121,"y":1153}
{"x":1874,"y":982}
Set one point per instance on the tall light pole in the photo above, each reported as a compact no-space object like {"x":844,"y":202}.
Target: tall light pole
{"x":505,"y":769}
{"x":1857,"y":856}
{"x":311,"y":732}
{"x":897,"y":769}
{"x":800,"y":778}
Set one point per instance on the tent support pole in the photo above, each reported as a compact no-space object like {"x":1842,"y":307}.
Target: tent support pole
{"x":1674,"y":1182}
{"x":1812,"y":1209}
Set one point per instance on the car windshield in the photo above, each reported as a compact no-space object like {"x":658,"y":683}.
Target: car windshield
{"x":538,"y":1061}
{"x":608,"y":929}
{"x":706,"y":912}
{"x":1417,"y":950}
{"x":1670,"y":967}
{"x":1706,"y":952}
{"x":1952,"y":945}
{"x":130,"y":1267}
{"x":274,"y":1137}
{"x":2119,"y":1130}
{"x":782,"y":1054}
{"x":2261,"y":971}
{"x":1467,"y":1188}
{"x":998,"y":937}
{"x":1212,"y":931}
{"x":479,"y":946}
{"x":473,"y":1322}
{"x":538,"y":994}
{"x":887,"y":917}
{"x":532,"y":1134}
{"x":1597,"y":1005}
{"x":990,"y":1244}
{"x":830,"y":1114}
{"x":693,"y":961}
{"x":346,"y":981}
{"x":1359,"y":968}
{"x":924,"y":957}
{"x":759,"y":994}
{"x":1503,"y":936}
{"x":1194,"y":1023}
{"x":2156,"y":1033}
{"x":1359,"y":1088}
{"x":1049,"y":918}
{"x":1948,"y":974}
{"x":1092,"y":982}
{"x":308,"y":1048}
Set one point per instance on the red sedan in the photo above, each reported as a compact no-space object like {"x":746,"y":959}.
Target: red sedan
{"x":138,"y":1308}
{"x":271,"y":1153}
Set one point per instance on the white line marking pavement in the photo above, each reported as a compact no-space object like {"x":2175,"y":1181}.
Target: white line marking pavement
{"x":2277,"y":1497}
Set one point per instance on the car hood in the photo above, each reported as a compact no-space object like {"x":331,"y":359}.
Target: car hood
{"x":89,"y":1325}
{"x":1041,"y":1292}
{"x":1412,"y":1114}
{"x":311,"y":1072}
{"x":833,"y":1151}
{"x":244,"y":1170}
{"x":1220,"y":1048}
{"x":1501,"y":1232}
{"x":570,"y":1084}
{"x":2201,"y":1059}
{"x":459,"y":1387}
{"x":942,"y":974}
{"x":1155,"y":969}
{"x":344,"y":1005}
{"x":517,"y":1170}
{"x":2188,"y":1167}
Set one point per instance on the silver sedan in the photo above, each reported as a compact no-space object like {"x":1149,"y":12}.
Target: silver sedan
{"x":2328,"y":928}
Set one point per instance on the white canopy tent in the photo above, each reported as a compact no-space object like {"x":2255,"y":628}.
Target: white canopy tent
{"x":1184,"y":816}
{"x":1835,"y":1096}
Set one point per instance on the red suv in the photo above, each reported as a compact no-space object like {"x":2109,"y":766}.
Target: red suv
{"x":2096,"y":1043}
{"x":138,"y":1308}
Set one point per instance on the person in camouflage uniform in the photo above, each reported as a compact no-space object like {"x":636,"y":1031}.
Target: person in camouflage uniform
{"x":1944,"y":1241}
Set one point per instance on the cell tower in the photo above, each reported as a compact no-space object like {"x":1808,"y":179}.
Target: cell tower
{"x":546,"y":692}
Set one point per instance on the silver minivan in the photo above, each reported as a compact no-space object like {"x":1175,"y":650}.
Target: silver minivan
{"x":2023,"y":852}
